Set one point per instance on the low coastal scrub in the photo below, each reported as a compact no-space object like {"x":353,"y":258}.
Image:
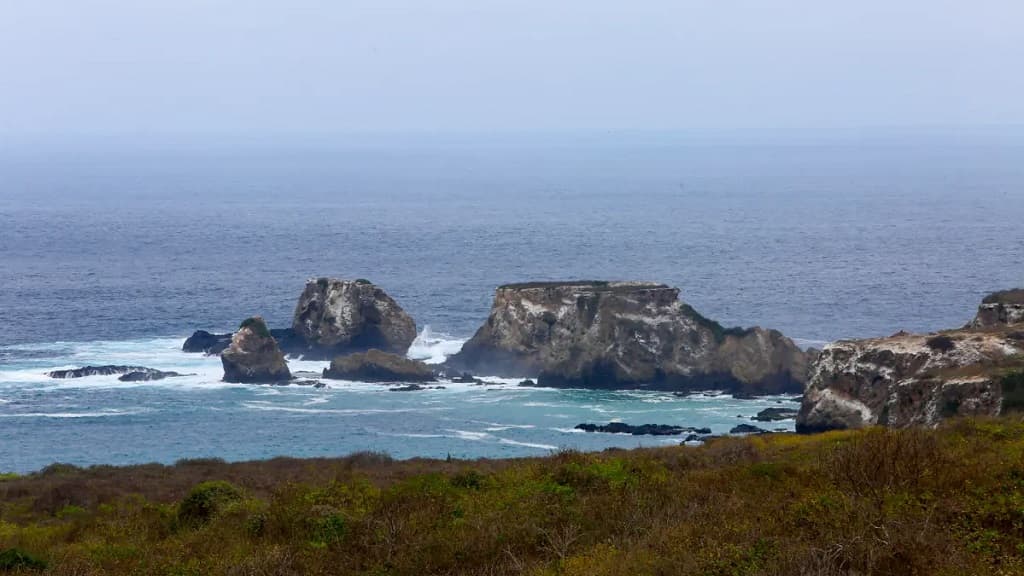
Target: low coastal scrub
{"x":946,"y":501}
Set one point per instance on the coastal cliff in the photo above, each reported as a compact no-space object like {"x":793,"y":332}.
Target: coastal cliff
{"x":919,"y":379}
{"x":597,"y":334}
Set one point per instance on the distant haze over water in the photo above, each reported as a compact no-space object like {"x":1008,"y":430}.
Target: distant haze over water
{"x":821,"y":239}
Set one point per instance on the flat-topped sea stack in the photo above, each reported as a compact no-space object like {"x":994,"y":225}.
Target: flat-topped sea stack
{"x":336,"y":316}
{"x":917,"y":379}
{"x":597,"y":334}
{"x":254,"y":356}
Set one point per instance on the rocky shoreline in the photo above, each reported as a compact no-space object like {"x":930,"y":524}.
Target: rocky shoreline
{"x":637,"y":335}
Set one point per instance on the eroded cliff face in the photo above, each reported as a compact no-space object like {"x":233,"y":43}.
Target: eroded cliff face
{"x":622,"y":335}
{"x":1000,"y":309}
{"x":911,"y":379}
{"x":339,"y":316}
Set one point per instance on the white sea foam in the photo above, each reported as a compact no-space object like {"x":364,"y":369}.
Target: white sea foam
{"x":527,"y":444}
{"x":94,"y":414}
{"x":267,"y":406}
{"x":499,"y":425}
{"x":434,"y":348}
{"x":469,"y":435}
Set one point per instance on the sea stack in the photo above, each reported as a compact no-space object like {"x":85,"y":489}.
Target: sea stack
{"x":336,"y":316}
{"x":596,"y":334}
{"x":919,"y":379}
{"x":254,"y":356}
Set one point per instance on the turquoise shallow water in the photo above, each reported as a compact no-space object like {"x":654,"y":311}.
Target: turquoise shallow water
{"x":101,"y":420}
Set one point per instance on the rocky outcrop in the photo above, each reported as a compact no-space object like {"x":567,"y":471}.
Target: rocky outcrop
{"x":775,"y":414}
{"x":748,"y":429}
{"x":624,"y":335}
{"x":1000,"y":309}
{"x":378,"y":366}
{"x":914,"y":379}
{"x":335,"y":316}
{"x":105,"y":370}
{"x":205,"y":342}
{"x":642,"y":429}
{"x":212,"y":344}
{"x":148,"y":375}
{"x":254,"y":356}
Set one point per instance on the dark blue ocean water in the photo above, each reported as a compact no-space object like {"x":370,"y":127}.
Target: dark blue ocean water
{"x":113,"y":255}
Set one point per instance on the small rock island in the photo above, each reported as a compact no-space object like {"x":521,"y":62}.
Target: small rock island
{"x":599,"y":334}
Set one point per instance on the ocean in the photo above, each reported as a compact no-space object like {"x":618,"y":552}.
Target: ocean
{"x":114,"y":255}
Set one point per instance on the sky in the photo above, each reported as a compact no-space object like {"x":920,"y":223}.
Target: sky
{"x":71,"y":67}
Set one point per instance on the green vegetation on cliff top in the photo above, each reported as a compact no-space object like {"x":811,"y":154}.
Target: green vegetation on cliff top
{"x":945,"y":502}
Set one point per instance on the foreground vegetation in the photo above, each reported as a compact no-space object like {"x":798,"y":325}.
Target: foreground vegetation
{"x":947,"y":501}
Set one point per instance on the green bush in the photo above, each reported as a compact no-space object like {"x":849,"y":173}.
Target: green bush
{"x":1013,"y":391}
{"x":13,"y":559}
{"x":258,"y":326}
{"x":941,"y":343}
{"x":206,"y":500}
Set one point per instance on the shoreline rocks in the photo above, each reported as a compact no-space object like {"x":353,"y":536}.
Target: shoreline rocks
{"x":642,"y":429}
{"x":775,"y":414}
{"x":595,"y":334}
{"x":378,"y":366}
{"x":748,"y":429}
{"x":919,"y":379}
{"x":254,"y":356}
{"x":105,"y":370}
{"x":148,"y":375}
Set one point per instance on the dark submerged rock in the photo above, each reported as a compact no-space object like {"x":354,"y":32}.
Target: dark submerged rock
{"x":407,"y":388}
{"x":775,"y":414}
{"x":748,"y":429}
{"x":205,"y":342}
{"x":147,"y":375}
{"x":378,"y":366}
{"x":105,"y":370}
{"x":254,"y":356}
{"x":642,"y":429}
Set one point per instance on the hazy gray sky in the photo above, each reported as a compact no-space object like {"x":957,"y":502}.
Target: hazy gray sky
{"x":261,"y":66}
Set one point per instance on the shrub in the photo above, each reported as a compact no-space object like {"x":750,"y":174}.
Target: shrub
{"x":1013,"y":391}
{"x":206,"y":500}
{"x":257,"y":325}
{"x":941,"y":343}
{"x":13,"y":559}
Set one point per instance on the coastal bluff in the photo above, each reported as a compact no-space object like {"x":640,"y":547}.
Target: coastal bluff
{"x":919,"y":379}
{"x":598,"y":334}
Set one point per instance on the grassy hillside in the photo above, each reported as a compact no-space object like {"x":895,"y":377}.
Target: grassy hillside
{"x":947,"y":501}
